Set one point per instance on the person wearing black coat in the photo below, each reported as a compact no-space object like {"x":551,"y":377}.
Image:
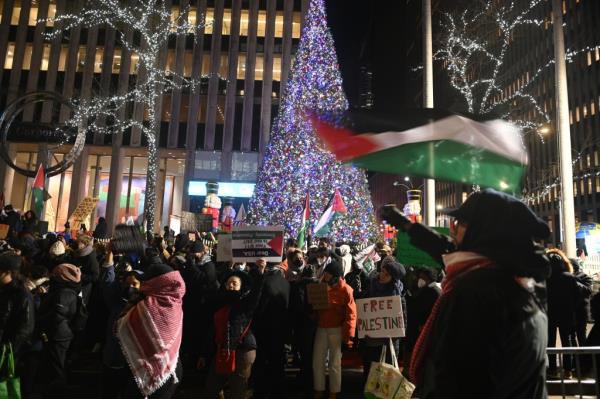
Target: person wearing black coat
{"x":12,"y":220}
{"x":563,"y":296}
{"x":272,"y":330}
{"x":17,"y":317}
{"x":304,"y":324}
{"x":198,"y":271}
{"x":421,"y":304}
{"x":235,"y":304}
{"x":85,"y":258}
{"x":55,"y":315}
{"x":582,"y":313}
{"x":487,"y":335}
{"x":358,"y":279}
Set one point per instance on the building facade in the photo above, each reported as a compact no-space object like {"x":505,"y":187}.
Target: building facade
{"x":532,"y":49}
{"x":219,"y":132}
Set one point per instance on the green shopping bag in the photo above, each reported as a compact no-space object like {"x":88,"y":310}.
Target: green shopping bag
{"x":10,"y":385}
{"x":385,"y":381}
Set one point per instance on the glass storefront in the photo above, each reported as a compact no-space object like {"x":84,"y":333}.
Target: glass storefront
{"x":131,"y":203}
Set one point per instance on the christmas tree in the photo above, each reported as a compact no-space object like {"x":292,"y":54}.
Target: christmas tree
{"x":295,"y":161}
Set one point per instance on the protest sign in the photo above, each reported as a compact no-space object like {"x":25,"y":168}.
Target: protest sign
{"x":318,"y":295}
{"x":250,"y":243}
{"x":380,"y":317}
{"x":407,"y":254}
{"x":4,"y":231}
{"x":224,"y":248}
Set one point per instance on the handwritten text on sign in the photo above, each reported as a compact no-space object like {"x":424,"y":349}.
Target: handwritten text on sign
{"x":380,"y":317}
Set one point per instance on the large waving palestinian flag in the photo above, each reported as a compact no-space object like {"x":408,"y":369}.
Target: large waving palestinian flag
{"x":432,"y":144}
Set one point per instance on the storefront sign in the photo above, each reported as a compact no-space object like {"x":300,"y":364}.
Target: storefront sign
{"x":250,"y":243}
{"x":380,"y":317}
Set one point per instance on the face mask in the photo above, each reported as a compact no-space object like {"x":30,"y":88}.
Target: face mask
{"x":421,"y":283}
{"x":321,"y":261}
{"x":298,"y":263}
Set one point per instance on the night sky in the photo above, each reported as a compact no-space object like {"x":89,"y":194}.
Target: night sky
{"x":376,"y":34}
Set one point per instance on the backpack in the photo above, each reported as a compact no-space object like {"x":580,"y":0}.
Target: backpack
{"x":79,"y":319}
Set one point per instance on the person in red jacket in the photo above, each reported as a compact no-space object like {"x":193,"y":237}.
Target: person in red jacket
{"x":336,"y":326}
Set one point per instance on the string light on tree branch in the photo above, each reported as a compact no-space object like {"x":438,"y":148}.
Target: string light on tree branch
{"x":144,"y":28}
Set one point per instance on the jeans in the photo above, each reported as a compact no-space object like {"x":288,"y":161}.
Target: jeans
{"x":328,"y":341}
{"x":237,"y":381}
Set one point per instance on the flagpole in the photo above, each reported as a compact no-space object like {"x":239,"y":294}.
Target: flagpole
{"x":428,"y":103}
{"x":564,"y":133}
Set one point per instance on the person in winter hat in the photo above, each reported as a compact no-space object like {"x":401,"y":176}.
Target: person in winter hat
{"x":489,"y":325}
{"x":346,"y":258}
{"x":86,"y":259}
{"x":55,"y":315}
{"x":336,"y":326}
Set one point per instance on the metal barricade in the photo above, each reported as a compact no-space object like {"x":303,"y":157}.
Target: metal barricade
{"x":583,"y":386}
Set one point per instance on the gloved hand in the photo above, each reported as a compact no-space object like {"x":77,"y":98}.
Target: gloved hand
{"x":395,"y":217}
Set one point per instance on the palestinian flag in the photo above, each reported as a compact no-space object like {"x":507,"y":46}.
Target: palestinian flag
{"x":40,"y":195}
{"x":305,"y":223}
{"x":333,"y":211}
{"x":432,"y":144}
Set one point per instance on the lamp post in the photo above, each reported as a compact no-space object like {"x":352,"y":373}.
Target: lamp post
{"x":428,"y":103}
{"x":564,"y":133}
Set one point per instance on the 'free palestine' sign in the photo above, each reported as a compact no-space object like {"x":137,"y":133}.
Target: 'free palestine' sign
{"x":380,"y":317}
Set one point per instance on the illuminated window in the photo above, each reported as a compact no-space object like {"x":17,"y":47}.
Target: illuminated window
{"x":597,"y":184}
{"x":592,"y":107}
{"x":10,"y":51}
{"x":585,"y":111}
{"x":589,"y":58}
{"x":577,"y":114}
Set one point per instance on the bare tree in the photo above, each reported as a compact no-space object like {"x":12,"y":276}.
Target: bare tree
{"x":144,"y":28}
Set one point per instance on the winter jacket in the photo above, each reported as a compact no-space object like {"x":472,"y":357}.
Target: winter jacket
{"x":419,"y":309}
{"x":87,"y":261}
{"x":272,"y":313}
{"x":488,"y":341}
{"x":563,"y":295}
{"x":17,"y":318}
{"x":57,"y":309}
{"x":359,"y":280}
{"x":376,"y":289}
{"x":101,"y":230}
{"x":341,"y":311}
{"x":346,"y":258}
{"x":201,"y":278}
{"x":300,"y":310}
{"x":241,"y":306}
{"x":114,"y":296}
{"x":585,"y":285}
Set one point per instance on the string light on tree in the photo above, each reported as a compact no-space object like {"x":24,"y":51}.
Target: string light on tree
{"x":295,"y":163}
{"x":144,"y":28}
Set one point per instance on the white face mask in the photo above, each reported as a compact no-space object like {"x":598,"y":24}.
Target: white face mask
{"x":321,"y":261}
{"x":421,"y":283}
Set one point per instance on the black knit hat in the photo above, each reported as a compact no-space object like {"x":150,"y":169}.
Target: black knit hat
{"x":393,"y":268}
{"x":197,"y":246}
{"x":10,"y":262}
{"x":335,"y":269}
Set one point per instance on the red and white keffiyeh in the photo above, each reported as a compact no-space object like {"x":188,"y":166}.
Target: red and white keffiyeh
{"x":150,"y":333}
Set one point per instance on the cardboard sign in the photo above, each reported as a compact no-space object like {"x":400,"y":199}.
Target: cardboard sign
{"x":318,"y":295}
{"x":84,"y":209}
{"x":4,"y":231}
{"x":224,"y":248}
{"x":380,"y":317}
{"x":409,"y":255}
{"x":250,"y":243}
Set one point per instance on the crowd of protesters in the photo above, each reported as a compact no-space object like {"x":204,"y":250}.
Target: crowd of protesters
{"x":154,"y":307}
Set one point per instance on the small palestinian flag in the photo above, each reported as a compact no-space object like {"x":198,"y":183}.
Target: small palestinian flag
{"x":304,"y":224}
{"x":432,"y":144}
{"x":40,"y":195}
{"x":335,"y":208}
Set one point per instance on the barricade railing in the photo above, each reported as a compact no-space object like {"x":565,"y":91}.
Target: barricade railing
{"x":592,"y":352}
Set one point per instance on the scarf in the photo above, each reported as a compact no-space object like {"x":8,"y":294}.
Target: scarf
{"x":150,"y":333}
{"x":457,"y":264}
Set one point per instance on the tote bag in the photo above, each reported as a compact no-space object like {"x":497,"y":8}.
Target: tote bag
{"x":10,"y":385}
{"x":385,"y":381}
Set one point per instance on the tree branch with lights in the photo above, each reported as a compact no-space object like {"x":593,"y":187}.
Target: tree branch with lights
{"x":144,"y":28}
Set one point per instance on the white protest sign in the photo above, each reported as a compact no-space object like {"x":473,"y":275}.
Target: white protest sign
{"x":380,"y":317}
{"x":250,"y":243}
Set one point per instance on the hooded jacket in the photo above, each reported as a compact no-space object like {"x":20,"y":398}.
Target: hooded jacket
{"x":16,"y":314}
{"x":346,"y":258}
